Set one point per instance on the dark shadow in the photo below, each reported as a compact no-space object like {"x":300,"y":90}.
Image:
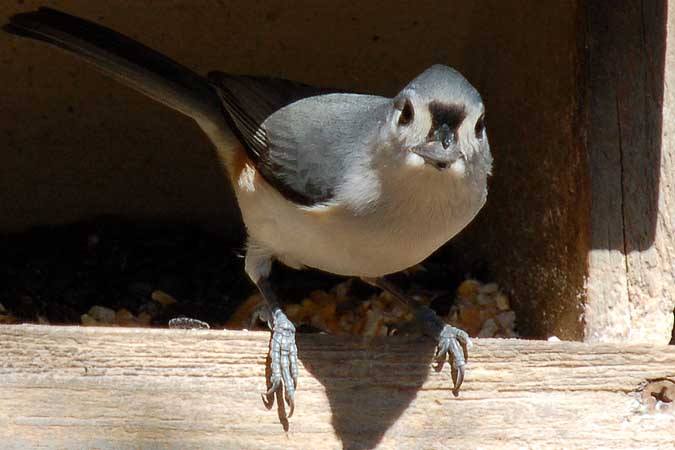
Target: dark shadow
{"x":365,"y":395}
{"x":625,"y":64}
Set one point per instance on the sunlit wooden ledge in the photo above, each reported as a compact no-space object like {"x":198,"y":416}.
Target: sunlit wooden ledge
{"x":121,"y":388}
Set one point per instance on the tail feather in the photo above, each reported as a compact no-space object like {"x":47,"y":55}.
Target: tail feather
{"x":125,"y":60}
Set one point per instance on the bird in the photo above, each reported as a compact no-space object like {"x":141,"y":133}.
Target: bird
{"x":351,"y":184}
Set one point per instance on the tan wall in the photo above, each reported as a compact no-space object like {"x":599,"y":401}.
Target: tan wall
{"x":75,"y":144}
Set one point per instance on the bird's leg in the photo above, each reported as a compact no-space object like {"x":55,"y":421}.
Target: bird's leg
{"x":283,"y":351}
{"x":451,"y":340}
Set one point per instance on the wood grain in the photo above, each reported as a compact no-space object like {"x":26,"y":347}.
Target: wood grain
{"x":114,"y":388}
{"x":629,"y":136}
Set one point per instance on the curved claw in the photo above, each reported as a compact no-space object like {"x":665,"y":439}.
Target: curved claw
{"x":291,"y":404}
{"x":459,"y":379}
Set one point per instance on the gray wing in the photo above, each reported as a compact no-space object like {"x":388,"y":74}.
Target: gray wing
{"x":299,"y":137}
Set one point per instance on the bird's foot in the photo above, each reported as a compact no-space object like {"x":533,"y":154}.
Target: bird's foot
{"x":453,"y":342}
{"x":284,"y":359}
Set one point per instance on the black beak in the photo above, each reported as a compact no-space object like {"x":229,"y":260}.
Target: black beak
{"x":445,"y":135}
{"x":441,"y":150}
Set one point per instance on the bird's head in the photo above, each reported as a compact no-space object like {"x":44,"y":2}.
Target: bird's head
{"x":438,"y":122}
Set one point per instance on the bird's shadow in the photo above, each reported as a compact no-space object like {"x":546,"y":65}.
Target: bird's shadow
{"x":369,"y":382}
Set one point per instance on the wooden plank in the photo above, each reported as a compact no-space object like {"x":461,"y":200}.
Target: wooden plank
{"x":630,"y":71}
{"x":115,"y":388}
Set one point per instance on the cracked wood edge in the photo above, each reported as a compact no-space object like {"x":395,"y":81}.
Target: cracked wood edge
{"x":120,"y":388}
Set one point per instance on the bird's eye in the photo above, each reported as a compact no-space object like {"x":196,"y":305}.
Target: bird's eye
{"x":480,"y":126}
{"x":407,"y":113}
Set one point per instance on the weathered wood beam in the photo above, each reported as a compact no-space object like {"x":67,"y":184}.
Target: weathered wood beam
{"x":115,"y":388}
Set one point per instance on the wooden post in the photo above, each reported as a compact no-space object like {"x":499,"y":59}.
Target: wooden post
{"x":630,"y":74}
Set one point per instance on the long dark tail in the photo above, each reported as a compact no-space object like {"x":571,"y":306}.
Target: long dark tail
{"x":125,"y":60}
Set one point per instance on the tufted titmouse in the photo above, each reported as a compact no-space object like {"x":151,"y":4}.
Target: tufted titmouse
{"x":355,"y":185}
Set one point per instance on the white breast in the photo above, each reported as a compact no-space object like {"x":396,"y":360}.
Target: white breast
{"x":410,"y":214}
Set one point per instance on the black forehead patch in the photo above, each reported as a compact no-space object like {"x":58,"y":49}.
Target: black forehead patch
{"x":449,"y":113}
